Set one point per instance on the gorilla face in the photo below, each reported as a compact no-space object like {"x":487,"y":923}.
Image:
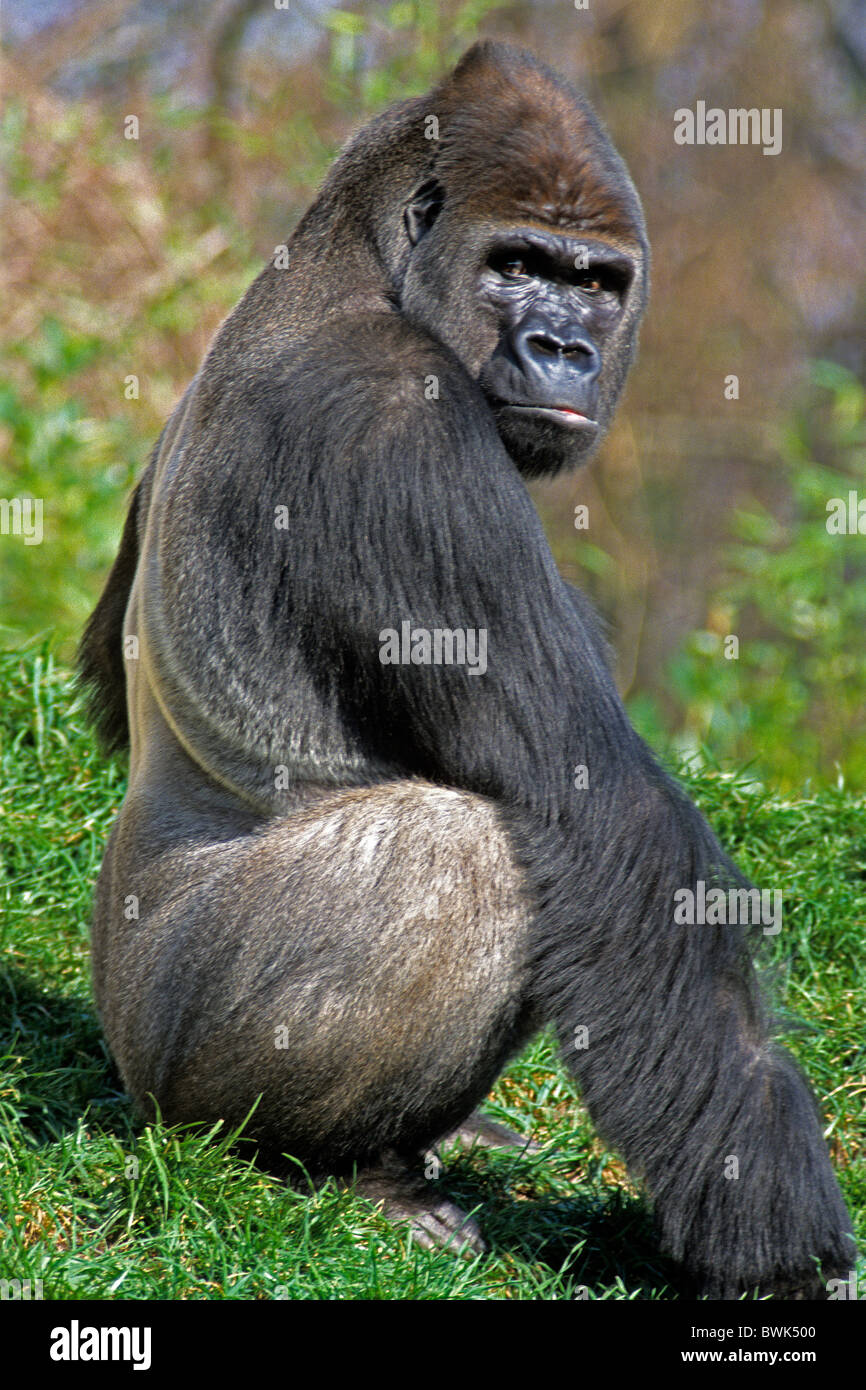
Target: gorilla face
{"x":558,"y":302}
{"x":543,"y":319}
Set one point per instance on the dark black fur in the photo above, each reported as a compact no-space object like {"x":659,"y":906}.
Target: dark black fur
{"x":259,"y":650}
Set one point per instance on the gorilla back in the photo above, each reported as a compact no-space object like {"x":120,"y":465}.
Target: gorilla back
{"x":353,"y":871}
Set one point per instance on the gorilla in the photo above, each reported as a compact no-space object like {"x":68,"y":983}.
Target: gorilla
{"x":356,"y":869}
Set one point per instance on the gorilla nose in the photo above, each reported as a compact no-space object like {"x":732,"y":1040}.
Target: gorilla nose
{"x":552,"y":352}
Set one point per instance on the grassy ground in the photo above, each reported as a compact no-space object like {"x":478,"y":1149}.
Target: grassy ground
{"x":98,"y":1206}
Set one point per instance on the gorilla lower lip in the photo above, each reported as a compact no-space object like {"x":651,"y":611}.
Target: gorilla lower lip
{"x":562,"y":414}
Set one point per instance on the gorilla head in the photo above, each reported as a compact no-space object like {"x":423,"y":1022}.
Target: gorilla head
{"x":519,"y":241}
{"x":553,"y":256}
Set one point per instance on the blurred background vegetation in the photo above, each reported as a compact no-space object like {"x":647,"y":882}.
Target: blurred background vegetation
{"x":706,"y":515}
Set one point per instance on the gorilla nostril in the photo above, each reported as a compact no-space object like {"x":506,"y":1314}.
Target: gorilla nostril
{"x":541,"y":342}
{"x":548,"y":345}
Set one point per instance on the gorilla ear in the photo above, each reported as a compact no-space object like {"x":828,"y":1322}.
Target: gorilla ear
{"x":423,"y":209}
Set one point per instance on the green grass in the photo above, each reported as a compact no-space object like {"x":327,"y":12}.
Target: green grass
{"x":98,"y":1206}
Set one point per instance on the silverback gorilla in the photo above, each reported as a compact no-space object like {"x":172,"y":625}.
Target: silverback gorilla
{"x":354,"y":871}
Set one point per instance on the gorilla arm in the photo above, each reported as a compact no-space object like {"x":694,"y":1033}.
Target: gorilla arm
{"x":443,"y":533}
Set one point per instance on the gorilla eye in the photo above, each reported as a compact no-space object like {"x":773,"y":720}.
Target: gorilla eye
{"x":514,"y":264}
{"x":590,"y":284}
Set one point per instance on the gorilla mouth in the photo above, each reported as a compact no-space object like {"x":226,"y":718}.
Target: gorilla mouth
{"x":564,"y":415}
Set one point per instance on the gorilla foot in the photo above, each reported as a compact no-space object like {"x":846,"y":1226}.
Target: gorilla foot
{"x":434,"y":1221}
{"x":438,"y":1224}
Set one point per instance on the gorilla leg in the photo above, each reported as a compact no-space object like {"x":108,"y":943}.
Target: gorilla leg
{"x":360,"y":963}
{"x":367,"y":963}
